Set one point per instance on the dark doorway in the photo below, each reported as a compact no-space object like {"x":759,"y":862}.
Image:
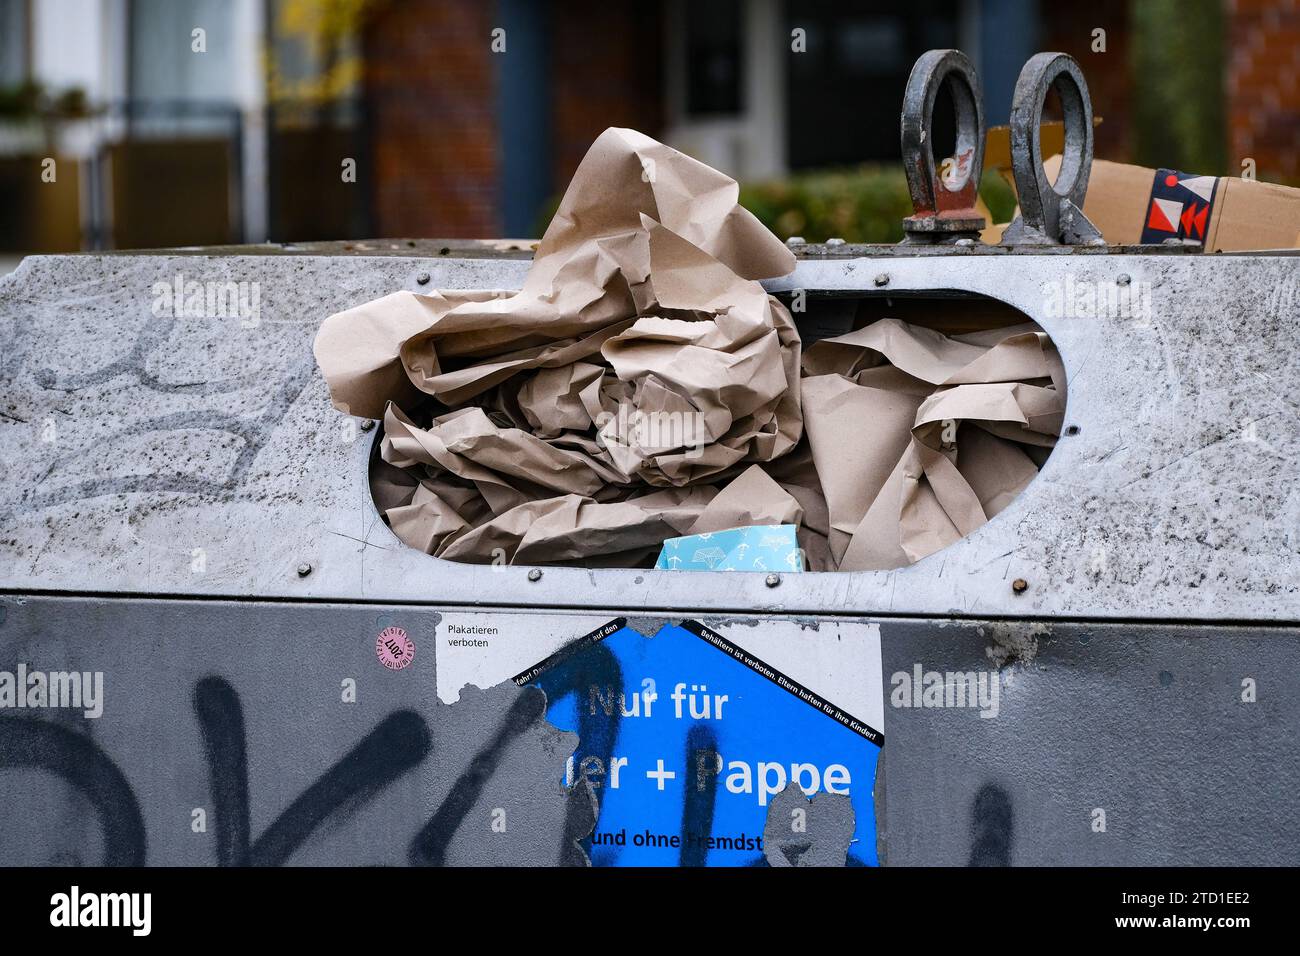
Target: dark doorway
{"x":845,"y":93}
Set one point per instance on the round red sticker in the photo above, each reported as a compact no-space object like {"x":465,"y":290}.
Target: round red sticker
{"x":394,"y":648}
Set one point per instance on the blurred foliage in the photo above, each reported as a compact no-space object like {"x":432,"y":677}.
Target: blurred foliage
{"x":859,"y":204}
{"x":20,"y":100}
{"x":71,"y":103}
{"x":1180,"y":113}
{"x":999,"y":197}
{"x":863,"y":204}
{"x":29,"y":99}
{"x":327,"y":34}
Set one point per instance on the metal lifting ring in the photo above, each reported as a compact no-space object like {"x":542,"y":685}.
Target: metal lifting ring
{"x":1051,"y":214}
{"x":944,"y":206}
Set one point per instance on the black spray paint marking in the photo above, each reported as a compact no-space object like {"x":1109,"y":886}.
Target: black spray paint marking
{"x":698,"y":803}
{"x":597,"y":731}
{"x":992,"y":824}
{"x":400,"y":742}
{"x":74,"y":757}
{"x":397,"y":744}
{"x":429,"y":848}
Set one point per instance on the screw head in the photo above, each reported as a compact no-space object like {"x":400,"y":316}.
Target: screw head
{"x":835,"y":241}
{"x":795,"y":241}
{"x":882,"y":279}
{"x":304,"y":570}
{"x":772,"y":580}
{"x":1020,"y":585}
{"x":422,"y":278}
{"x":1124,"y":279}
{"x":367,"y":424}
{"x":535,"y":574}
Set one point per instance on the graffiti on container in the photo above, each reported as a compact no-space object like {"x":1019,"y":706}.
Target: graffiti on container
{"x":395,"y":746}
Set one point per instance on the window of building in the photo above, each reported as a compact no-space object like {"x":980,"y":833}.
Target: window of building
{"x":845,"y":93}
{"x":715,"y":75}
{"x":14,"y":64}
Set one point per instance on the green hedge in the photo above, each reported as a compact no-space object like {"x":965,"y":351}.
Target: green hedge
{"x":860,"y":204}
{"x":857,"y":204}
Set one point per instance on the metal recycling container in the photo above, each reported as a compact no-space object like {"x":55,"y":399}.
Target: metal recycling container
{"x":241,"y":663}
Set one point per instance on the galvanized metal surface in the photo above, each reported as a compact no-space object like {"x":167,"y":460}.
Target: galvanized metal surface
{"x":196,"y":456}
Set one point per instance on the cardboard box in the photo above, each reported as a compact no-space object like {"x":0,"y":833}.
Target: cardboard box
{"x":1133,"y":204}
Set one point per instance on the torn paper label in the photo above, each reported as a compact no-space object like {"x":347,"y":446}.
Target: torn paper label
{"x":689,"y":730}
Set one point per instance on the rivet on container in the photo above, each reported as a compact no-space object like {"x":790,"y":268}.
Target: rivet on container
{"x":882,"y":279}
{"x":304,"y":570}
{"x":422,"y":278}
{"x":535,"y":574}
{"x":1020,"y":585}
{"x":772,"y":580}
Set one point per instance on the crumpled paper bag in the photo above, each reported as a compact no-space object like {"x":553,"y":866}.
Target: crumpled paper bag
{"x":920,"y":437}
{"x":597,"y":411}
{"x":643,"y":386}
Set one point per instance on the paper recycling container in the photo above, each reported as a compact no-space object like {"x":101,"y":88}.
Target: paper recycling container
{"x":213,"y":651}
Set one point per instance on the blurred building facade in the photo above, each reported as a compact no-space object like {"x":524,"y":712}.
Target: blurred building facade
{"x":147,"y":123}
{"x":182,"y":122}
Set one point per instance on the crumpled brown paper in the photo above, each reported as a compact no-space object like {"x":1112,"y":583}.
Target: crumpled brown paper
{"x":920,"y":437}
{"x":642,"y":385}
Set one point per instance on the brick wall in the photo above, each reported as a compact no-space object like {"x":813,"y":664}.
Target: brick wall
{"x":606,"y":70}
{"x":1263,"y":87}
{"x":431,"y":109}
{"x":431,"y":100}
{"x":430,"y":91}
{"x":1261,"y":82}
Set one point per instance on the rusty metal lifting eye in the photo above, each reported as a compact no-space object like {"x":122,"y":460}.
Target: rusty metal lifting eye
{"x":943,"y":206}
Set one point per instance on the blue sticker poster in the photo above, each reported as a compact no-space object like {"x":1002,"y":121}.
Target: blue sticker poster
{"x":754,"y":548}
{"x":686,"y":738}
